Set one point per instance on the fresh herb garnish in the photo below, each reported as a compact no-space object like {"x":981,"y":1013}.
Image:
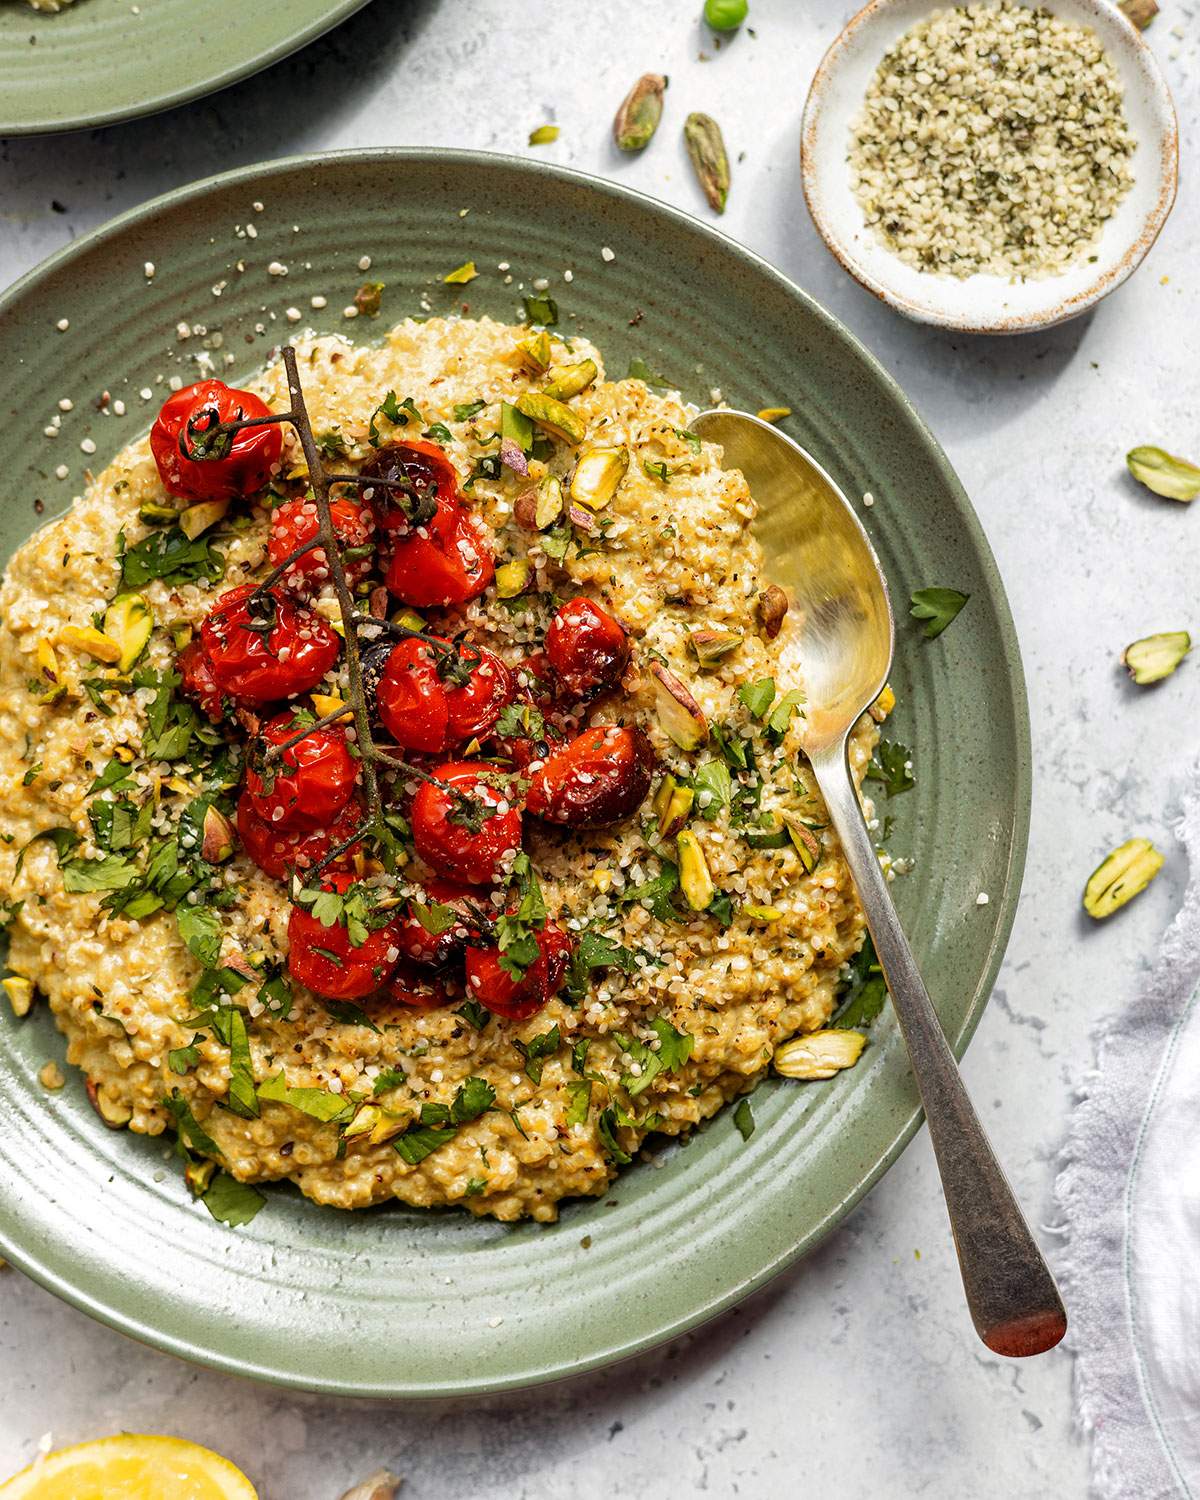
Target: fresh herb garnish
{"x":541,"y":309}
{"x":537,"y":1049}
{"x":171,"y":557}
{"x":743,"y":1118}
{"x":758,"y":696}
{"x":890,"y":766}
{"x":232,"y":1202}
{"x":865,"y":993}
{"x":937,"y":606}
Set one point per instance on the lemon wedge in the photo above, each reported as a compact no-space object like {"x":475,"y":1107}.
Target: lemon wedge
{"x":133,"y":1466}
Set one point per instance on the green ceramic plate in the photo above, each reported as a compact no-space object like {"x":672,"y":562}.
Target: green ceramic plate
{"x":399,"y":1303}
{"x":100,"y":61}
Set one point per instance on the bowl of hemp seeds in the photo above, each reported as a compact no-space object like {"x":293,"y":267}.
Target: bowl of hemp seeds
{"x":993,"y":166}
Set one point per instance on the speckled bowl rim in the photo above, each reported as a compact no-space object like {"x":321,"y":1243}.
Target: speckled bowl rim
{"x":337,"y":11}
{"x":26,"y":1258}
{"x":824,"y":81}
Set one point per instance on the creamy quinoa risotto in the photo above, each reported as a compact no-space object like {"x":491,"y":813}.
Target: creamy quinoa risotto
{"x":445,"y":868}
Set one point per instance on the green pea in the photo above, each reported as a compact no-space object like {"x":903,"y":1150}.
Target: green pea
{"x":725,"y":15}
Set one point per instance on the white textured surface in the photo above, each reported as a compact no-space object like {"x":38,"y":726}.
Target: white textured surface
{"x":857,"y":1373}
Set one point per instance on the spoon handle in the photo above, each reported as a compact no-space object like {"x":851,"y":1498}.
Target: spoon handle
{"x":1014,"y":1302}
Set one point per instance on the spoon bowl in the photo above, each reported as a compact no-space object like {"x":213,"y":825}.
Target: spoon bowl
{"x":846,"y":637}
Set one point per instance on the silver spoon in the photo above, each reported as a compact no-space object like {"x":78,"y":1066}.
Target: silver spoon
{"x":840,"y":598}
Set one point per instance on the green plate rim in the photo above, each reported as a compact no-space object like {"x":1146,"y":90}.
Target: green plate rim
{"x":1007,"y":899}
{"x":337,"y":12}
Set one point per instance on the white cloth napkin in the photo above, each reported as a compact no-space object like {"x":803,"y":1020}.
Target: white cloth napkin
{"x":1129,"y":1189}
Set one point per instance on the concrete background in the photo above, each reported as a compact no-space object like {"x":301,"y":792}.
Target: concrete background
{"x":856,"y":1374}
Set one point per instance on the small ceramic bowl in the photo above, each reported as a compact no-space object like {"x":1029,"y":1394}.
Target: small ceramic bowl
{"x":982,"y":303}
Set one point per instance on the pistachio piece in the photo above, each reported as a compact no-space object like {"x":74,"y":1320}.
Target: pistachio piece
{"x":196,"y":519}
{"x":773,"y":413}
{"x":598,"y":476}
{"x":1123,"y":875}
{"x":525,"y":509}
{"x":1156,"y":656}
{"x":92,"y":641}
{"x":534,"y":351}
{"x":678,"y":712}
{"x":762,"y":913}
{"x":365,"y":1120}
{"x":568,"y":380}
{"x":772,"y":607}
{"x":20,"y":994}
{"x":51,"y":1076}
{"x":671,"y":805}
{"x":1172,"y":478}
{"x":1140,"y":12}
{"x":711,"y":646}
{"x":389,"y":1125}
{"x":461,"y":274}
{"x":710,"y":161}
{"x":382,"y":1485}
{"x":199,"y":1175}
{"x":583,"y":519}
{"x":512,"y":578}
{"x":821,"y":1054}
{"x":516,"y":428}
{"x":216,"y":844}
{"x":883,"y":705}
{"x":114,"y":1112}
{"x":409,"y":618}
{"x":152,"y":514}
{"x":549,"y":503}
{"x":369,"y":298}
{"x":805,"y":842}
{"x":129,"y":622}
{"x":639,"y":114}
{"x":694,"y":878}
{"x":543,"y":135}
{"x":551,"y":416}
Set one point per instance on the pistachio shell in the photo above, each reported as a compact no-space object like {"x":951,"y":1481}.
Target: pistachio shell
{"x":821,"y":1054}
{"x":216,"y":845}
{"x":1157,"y":656}
{"x":129,"y":622}
{"x":569,"y":380}
{"x":694,"y":878}
{"x":1123,"y":875}
{"x":678,"y":712}
{"x":92,"y":641}
{"x":512,"y":578}
{"x":196,"y":519}
{"x":551,"y":416}
{"x":598,"y":476}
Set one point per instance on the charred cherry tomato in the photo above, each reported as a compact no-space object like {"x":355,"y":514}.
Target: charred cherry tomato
{"x":587,"y":648}
{"x":324,"y":960}
{"x":278,"y":851}
{"x":297,"y":522}
{"x":597,"y":778}
{"x":198,"y":682}
{"x":308,"y":784}
{"x":445,"y":561}
{"x":251,"y":453}
{"x":414,"y":939}
{"x":266,"y":648}
{"x":407,"y":990}
{"x":430,"y":700}
{"x":494,"y":987}
{"x":466,"y":843}
{"x":429,"y":476}
{"x":474,"y":706}
{"x":412,"y":698}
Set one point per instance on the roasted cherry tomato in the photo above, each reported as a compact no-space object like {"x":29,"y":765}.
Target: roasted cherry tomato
{"x":309,"y":783}
{"x":587,"y":648}
{"x":324,"y":960}
{"x":517,"y":999}
{"x":296,"y":522}
{"x":445,"y":561}
{"x":415,"y":940}
{"x":411,"y":698}
{"x":407,"y":990}
{"x":597,"y":778}
{"x":250,"y":455}
{"x":198,"y":682}
{"x":428,"y":474}
{"x":474,"y":706}
{"x":278,"y":851}
{"x":470,"y":843}
{"x":266,"y":649}
{"x":431,"y":700}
